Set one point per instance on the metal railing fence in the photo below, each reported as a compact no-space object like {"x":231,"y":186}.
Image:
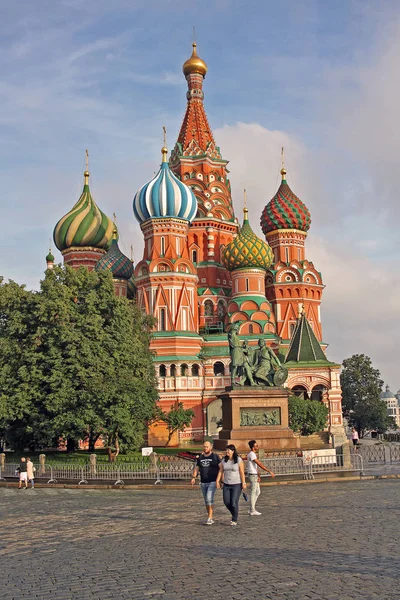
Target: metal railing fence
{"x":168,"y":468}
{"x":338,"y":463}
{"x":287,"y":466}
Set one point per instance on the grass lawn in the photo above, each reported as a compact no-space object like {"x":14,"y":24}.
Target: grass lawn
{"x":81,"y":457}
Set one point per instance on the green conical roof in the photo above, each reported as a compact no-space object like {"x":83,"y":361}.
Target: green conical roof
{"x":304,"y":346}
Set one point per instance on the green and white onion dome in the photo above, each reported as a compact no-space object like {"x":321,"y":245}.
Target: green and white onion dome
{"x":164,"y":196}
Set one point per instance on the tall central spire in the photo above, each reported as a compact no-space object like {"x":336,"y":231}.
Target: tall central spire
{"x":195,"y":136}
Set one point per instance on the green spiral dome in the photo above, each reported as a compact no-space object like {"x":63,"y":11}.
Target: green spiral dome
{"x":247,"y":250}
{"x":84,"y":225}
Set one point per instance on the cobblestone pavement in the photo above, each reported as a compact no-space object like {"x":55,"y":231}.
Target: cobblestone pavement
{"x":327,"y":541}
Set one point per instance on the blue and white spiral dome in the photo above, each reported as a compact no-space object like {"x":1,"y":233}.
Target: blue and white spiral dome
{"x":164,"y":196}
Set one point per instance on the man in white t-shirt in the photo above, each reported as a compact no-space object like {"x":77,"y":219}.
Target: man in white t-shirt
{"x":252,"y":470}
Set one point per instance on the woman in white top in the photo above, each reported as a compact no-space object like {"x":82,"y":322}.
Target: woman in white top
{"x":231,"y":469}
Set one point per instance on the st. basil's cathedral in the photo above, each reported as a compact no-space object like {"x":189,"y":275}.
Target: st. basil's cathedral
{"x":201,"y":271}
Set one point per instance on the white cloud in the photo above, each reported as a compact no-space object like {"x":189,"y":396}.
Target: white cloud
{"x":360,"y":307}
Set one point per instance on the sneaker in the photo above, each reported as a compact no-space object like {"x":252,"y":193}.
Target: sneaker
{"x":254,"y":513}
{"x":209,"y":522}
{"x":234,"y":523}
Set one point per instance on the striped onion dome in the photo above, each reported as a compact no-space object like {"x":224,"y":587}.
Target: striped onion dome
{"x":165,"y":196}
{"x":247,"y":250}
{"x":285,"y":210}
{"x":120,"y":265}
{"x":84,"y":225}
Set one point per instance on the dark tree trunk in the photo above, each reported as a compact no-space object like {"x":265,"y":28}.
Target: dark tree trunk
{"x":92,"y":441}
{"x":71,"y":445}
{"x":113,"y":449}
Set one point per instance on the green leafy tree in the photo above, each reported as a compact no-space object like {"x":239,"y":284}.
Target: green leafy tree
{"x":84,"y":368}
{"x":361,"y":388}
{"x":176,"y":419}
{"x":306,"y":416}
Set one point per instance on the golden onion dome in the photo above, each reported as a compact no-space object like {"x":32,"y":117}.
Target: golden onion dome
{"x":247,"y":250}
{"x":194,"y":64}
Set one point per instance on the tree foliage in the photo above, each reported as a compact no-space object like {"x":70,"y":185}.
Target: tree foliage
{"x":74,"y":362}
{"x":306,"y":416}
{"x":176,"y":419}
{"x":361,"y":388}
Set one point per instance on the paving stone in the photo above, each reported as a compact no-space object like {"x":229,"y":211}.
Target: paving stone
{"x":323,"y":542}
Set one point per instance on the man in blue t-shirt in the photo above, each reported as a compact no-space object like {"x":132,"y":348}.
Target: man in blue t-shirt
{"x":207,"y":464}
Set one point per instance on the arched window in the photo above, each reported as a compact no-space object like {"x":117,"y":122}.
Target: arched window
{"x":251,"y":329}
{"x":162,"y":246}
{"x":163,"y":371}
{"x":184,"y":370}
{"x":194,"y":256}
{"x":247,"y":285}
{"x":208,"y":308}
{"x":317,"y":392}
{"x":287,"y":254}
{"x":219,"y":368}
{"x":162,"y":321}
{"x":291,"y":329}
{"x":195,"y":370}
{"x":173,"y":371}
{"x":300,"y":391}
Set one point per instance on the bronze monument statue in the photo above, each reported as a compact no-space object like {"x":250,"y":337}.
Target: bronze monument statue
{"x":258,"y":366}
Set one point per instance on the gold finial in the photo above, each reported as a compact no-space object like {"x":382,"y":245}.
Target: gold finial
{"x":245,"y":209}
{"x":86,"y":173}
{"x":164,"y":149}
{"x":301,"y":311}
{"x":283,"y":170}
{"x":194,"y":64}
{"x":115,"y":230}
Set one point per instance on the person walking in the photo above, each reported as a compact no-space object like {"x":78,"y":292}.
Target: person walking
{"x":254,"y":476}
{"x":354,"y":437}
{"x":231,"y":472}
{"x":30,"y":470}
{"x":23,"y":476}
{"x":207,"y":465}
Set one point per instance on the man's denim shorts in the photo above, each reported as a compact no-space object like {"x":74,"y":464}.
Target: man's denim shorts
{"x":208,"y":490}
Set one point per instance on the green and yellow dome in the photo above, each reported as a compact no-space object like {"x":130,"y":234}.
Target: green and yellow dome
{"x":247,"y":250}
{"x":84,"y":225}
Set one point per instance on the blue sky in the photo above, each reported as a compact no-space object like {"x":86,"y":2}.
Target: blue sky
{"x":321,"y":78}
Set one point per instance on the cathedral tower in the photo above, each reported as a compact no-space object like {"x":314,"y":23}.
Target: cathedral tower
{"x":166,"y":278}
{"x":292,"y":281}
{"x":197,"y":161}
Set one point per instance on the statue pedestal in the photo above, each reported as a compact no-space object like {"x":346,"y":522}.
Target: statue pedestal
{"x":256,"y":413}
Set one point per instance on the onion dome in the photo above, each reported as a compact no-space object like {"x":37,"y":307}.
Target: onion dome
{"x":120,"y":265}
{"x":285,"y":210}
{"x":50,"y":257}
{"x":247,"y":250}
{"x":84,"y":225}
{"x":194,"y":64}
{"x":164,"y":196}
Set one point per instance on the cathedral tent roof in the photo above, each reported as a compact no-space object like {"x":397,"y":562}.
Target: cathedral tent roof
{"x":304,"y":346}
